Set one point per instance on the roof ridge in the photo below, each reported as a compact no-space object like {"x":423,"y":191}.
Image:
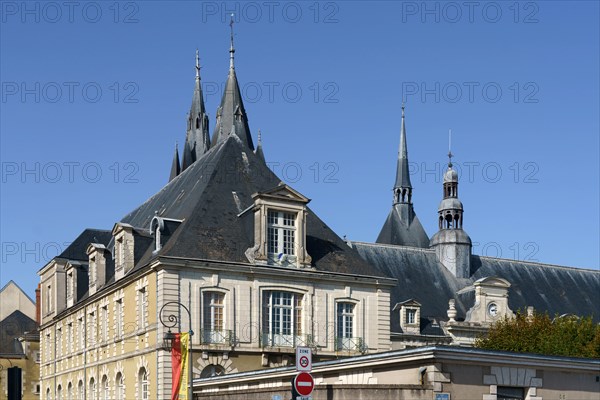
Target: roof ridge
{"x":394,"y":246}
{"x":19,"y":287}
{"x":538,"y":263}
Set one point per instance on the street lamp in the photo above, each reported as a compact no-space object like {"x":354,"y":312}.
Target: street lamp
{"x":169,"y":338}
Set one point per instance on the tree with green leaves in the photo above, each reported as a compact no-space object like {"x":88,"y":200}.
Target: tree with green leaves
{"x":568,"y":336}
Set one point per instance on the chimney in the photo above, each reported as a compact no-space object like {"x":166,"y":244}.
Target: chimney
{"x":38,"y":305}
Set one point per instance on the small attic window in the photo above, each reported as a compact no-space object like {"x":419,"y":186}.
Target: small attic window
{"x":411,"y":316}
{"x":279,"y":228}
{"x":281,"y":235}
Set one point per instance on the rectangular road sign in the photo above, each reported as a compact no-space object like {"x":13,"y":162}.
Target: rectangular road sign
{"x":303,"y":359}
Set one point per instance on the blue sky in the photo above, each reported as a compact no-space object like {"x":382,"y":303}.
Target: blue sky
{"x":95,"y":95}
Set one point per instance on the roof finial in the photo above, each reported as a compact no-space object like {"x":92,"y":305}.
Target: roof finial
{"x":402,"y":109}
{"x":197,"y":65}
{"x":450,"y":148}
{"x":259,"y":137}
{"x":231,"y":49}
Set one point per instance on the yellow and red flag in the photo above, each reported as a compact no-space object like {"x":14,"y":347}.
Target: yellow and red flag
{"x":180,"y":362}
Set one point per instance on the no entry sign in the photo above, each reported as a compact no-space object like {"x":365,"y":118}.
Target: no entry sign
{"x":304,"y":383}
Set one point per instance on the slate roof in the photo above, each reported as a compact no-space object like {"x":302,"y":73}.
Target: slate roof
{"x":401,"y":232}
{"x":209,"y":197}
{"x":551,"y":288}
{"x":77,"y":249}
{"x":11,"y":327}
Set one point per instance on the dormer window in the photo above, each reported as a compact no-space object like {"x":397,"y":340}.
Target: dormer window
{"x":410,"y":316}
{"x":279,"y":228}
{"x":119,"y":254}
{"x":93,"y":272}
{"x":162,"y":229}
{"x":70,"y":285}
{"x":281,"y":235}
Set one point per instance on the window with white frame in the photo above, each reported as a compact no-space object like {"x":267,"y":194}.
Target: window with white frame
{"x":80,"y":391}
{"x":281,"y":234}
{"x":70,"y":391}
{"x":143,"y":384}
{"x":59,"y":394}
{"x":143,"y":308}
{"x":119,"y":319}
{"x":212,"y":317}
{"x":48,"y":394}
{"x":104,"y":323}
{"x":105,"y":390}
{"x":119,"y":387}
{"x":345,"y":319}
{"x":92,"y":389}
{"x":411,"y":316}
{"x":282,"y":318}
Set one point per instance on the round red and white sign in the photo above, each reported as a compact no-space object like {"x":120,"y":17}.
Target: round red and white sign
{"x":304,"y":383}
{"x":304,"y":361}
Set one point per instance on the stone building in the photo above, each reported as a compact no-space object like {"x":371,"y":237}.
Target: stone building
{"x":19,"y":343}
{"x":261,"y":273}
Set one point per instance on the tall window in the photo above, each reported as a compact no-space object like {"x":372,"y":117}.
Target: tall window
{"x":104,"y":323}
{"x":411,"y":316}
{"x":59,"y":393}
{"x":48,"y":395}
{"x":92,"y":389}
{"x":143,"y":384}
{"x":70,"y":285}
{"x":119,"y":318}
{"x":282,"y":318}
{"x":80,"y":392}
{"x":59,"y":341}
{"x":345,"y":326}
{"x":69,"y":337}
{"x":49,"y":298}
{"x":92,"y":271}
{"x":143,"y":302}
{"x":80,"y":337}
{"x":119,"y":387}
{"x":92,"y":329}
{"x":212,"y":317}
{"x":70,"y":391}
{"x":105,"y":394}
{"x":281,"y":233}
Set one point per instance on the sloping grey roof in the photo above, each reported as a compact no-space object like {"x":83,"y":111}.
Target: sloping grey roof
{"x":401,"y":232}
{"x":11,"y":327}
{"x":77,"y":249}
{"x":209,"y":197}
{"x":555,"y":289}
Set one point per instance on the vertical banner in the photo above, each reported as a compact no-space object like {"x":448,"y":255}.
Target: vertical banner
{"x":179,"y":361}
{"x":185,"y":366}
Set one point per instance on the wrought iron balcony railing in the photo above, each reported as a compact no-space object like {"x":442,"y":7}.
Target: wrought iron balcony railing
{"x":224,"y":336}
{"x":350,"y":344}
{"x":280,"y":340}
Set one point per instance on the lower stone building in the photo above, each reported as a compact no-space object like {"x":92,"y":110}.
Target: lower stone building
{"x":424,"y":373}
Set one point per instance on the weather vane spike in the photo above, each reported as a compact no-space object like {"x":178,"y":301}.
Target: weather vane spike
{"x":231,"y":49}
{"x":449,"y":147}
{"x":197,"y":64}
{"x":402,"y":108}
{"x":259,"y":136}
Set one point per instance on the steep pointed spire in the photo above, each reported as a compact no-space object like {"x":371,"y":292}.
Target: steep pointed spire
{"x":402,"y":227}
{"x":231,"y":114}
{"x":402,"y":187}
{"x":259,"y":149}
{"x":197,"y":141}
{"x":175,"y":168}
